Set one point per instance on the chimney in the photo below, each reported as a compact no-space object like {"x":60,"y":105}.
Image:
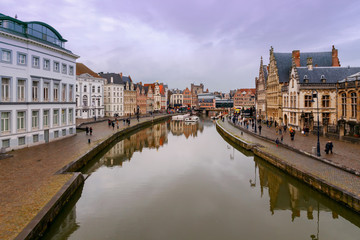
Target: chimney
{"x":112,"y":80}
{"x":335,"y":59}
{"x":309,"y":63}
{"x":296,"y":57}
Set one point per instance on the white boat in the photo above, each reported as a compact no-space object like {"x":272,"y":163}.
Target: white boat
{"x":192,"y":119}
{"x":180,"y":117}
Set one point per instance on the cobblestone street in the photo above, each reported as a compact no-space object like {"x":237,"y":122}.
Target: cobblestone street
{"x":28,"y":180}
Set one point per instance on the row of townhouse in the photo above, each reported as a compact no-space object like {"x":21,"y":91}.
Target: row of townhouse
{"x":44,"y":90}
{"x":296,"y":89}
{"x":187,"y":97}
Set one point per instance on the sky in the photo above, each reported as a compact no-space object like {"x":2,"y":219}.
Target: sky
{"x":178,"y":42}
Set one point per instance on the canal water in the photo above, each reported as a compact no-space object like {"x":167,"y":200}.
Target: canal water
{"x":179,"y":181}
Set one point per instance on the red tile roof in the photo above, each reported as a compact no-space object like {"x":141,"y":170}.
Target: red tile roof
{"x":81,"y":69}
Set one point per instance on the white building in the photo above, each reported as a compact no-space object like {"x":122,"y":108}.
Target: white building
{"x":89,"y":93}
{"x":113,"y":94}
{"x":176,"y":99}
{"x":37,"y":78}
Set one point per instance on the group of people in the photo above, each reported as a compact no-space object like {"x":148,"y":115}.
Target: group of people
{"x":88,"y":130}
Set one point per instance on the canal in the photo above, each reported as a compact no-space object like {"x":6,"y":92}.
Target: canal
{"x":178,"y":181}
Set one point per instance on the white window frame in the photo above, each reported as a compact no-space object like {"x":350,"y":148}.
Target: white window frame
{"x":35,"y":59}
{"x":21,"y":90}
{"x":21,"y":121}
{"x":46,"y":118}
{"x":5,"y":89}
{"x":5,"y":122}
{"x":35,"y":119}
{"x":46,"y":64}
{"x":21,"y":59}
{"x":56,"y":67}
{"x":8,"y":53}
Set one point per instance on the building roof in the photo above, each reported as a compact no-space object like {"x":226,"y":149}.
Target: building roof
{"x":265,"y":72}
{"x":115,"y":76}
{"x":350,"y":78}
{"x":82,"y":68}
{"x":34,"y":30}
{"x":331,"y":74}
{"x":247,"y":90}
{"x":284,"y":62}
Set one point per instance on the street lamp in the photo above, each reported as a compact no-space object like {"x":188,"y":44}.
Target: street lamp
{"x":315,"y":95}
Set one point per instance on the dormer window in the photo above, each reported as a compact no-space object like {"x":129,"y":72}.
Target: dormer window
{"x":306,"y":79}
{"x":323,"y":79}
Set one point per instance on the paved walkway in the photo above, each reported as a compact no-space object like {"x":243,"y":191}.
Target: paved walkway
{"x":335,"y":176}
{"x":344,"y":154}
{"x":28,"y":180}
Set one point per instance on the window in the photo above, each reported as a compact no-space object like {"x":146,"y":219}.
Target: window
{"x":35,"y":91}
{"x":56,"y":67}
{"x":46,"y":118}
{"x":21,"y":141}
{"x":56,"y":134}
{"x":71,"y":116}
{"x":71,"y":70}
{"x":35,"y":62}
{"x":70,"y":93}
{"x":5,"y":89}
{"x":5,"y":55}
{"x":85,"y":101}
{"x":56,"y":92}
{"x":35,"y":119}
{"x":353,"y":105}
{"x":21,"y":90}
{"x":325,"y":101}
{"x":5,"y":122}
{"x":63,"y":116}
{"x":76,"y":88}
{"x":85,"y":88}
{"x":343,"y":105}
{"x":46,"y":64}
{"x":93,"y":89}
{"x":46,"y":91}
{"x":71,"y":130}
{"x":63,"y":93}
{"x":64,"y":132}
{"x":56,"y":117}
{"x":99,"y":89}
{"x":20,"y":121}
{"x":21,"y":59}
{"x":63,"y":68}
{"x":6,"y":143}
{"x":308,"y":100}
{"x":35,"y":138}
{"x":325,"y":118}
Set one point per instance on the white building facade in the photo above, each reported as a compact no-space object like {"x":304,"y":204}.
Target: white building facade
{"x":89,"y":93}
{"x":113,"y":94}
{"x":176,"y":99}
{"x":37,"y":78}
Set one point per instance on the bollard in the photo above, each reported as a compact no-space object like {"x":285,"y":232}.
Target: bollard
{"x":89,"y":140}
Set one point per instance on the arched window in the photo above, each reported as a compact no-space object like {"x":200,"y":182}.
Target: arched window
{"x":353,"y":105}
{"x":85,"y":100}
{"x":85,"y":88}
{"x":343,"y":105}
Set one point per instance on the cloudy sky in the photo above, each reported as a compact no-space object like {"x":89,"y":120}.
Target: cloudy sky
{"x":215,"y":42}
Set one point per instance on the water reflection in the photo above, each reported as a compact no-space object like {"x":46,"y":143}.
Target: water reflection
{"x":224,"y":197}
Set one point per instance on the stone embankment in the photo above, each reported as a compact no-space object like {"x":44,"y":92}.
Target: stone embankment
{"x":341,"y":186}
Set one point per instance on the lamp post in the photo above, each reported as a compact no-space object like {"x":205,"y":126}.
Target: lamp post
{"x":315,"y":95}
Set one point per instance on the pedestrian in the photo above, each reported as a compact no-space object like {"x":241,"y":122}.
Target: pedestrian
{"x":87,"y":130}
{"x":280,"y":131}
{"x":260,"y":127}
{"x":292,"y":134}
{"x":124,"y":121}
{"x":277,"y":142}
{"x":91,"y":130}
{"x":285,"y":127}
{"x":128,"y":121}
{"x":331,"y":146}
{"x":113,"y":125}
{"x":137,"y":117}
{"x":282,"y":138}
{"x":109,"y":122}
{"x":95,"y":118}
{"x":327,"y":147}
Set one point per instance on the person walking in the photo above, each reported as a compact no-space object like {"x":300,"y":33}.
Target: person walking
{"x":260,"y":127}
{"x":87,"y":130}
{"x":277,"y":142}
{"x":292,"y":134}
{"x":113,"y":125}
{"x":282,"y":138}
{"x":91,"y":130}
